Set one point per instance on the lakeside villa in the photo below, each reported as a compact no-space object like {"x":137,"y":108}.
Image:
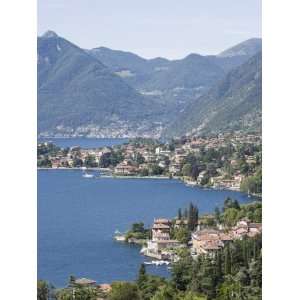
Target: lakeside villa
{"x":161,"y":242}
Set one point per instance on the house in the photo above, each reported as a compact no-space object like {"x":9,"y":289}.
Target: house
{"x":245,"y":228}
{"x":179,"y":158}
{"x":105,"y":288}
{"x":158,"y":150}
{"x":124,"y":168}
{"x":174,"y":168}
{"x":201,"y":175}
{"x":207,"y":241}
{"x":162,"y":164}
{"x":158,"y":246}
{"x":85,"y":282}
{"x":181,"y":223}
{"x":161,"y":229}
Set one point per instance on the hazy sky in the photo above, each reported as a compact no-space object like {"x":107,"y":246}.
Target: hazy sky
{"x":151,"y":28}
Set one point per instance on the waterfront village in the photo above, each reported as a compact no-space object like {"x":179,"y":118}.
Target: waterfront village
{"x":202,"y":235}
{"x":225,"y":248}
{"x":229,"y":161}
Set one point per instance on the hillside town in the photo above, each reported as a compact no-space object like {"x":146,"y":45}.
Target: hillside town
{"x":225,"y":161}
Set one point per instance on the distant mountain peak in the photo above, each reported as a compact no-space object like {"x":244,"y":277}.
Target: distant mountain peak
{"x":50,"y":34}
{"x":193,"y":56}
{"x":249,"y":48}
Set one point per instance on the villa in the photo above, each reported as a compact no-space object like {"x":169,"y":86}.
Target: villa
{"x":207,"y":241}
{"x":245,"y":228}
{"x":85,"y":282}
{"x":159,"y":244}
{"x":124,"y":168}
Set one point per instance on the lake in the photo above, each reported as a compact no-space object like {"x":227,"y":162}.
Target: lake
{"x":85,"y":143}
{"x":77,"y":218}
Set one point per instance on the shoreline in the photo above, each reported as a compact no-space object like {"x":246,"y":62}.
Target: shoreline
{"x":73,"y":168}
{"x":147,"y":177}
{"x":135,"y":177}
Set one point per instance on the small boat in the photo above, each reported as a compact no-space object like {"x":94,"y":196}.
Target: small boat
{"x":118,"y":236}
{"x":143,"y":251}
{"x":157,"y":262}
{"x":86,"y":175}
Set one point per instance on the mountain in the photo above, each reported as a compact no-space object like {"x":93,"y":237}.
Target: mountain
{"x":77,"y":94}
{"x":134,"y":69}
{"x":247,"y":48}
{"x":161,"y":74}
{"x":234,"y":103}
{"x":112,"y":93}
{"x":175,"y":83}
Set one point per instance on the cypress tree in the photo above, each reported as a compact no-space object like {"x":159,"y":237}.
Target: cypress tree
{"x":179,"y":216}
{"x":185,"y":214}
{"x":217,"y":214}
{"x":245,"y":254}
{"x":219,"y":272}
{"x":227,"y":261}
{"x":196,"y":217}
{"x":142,"y":276}
{"x":72,"y":280}
{"x":190,"y":217}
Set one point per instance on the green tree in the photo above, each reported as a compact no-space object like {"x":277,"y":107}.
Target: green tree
{"x":140,"y":158}
{"x":123,"y":291}
{"x":116,"y":157}
{"x":217,"y":214}
{"x":181,"y":271}
{"x":192,"y":296}
{"x":230,"y":290}
{"x":90,"y":161}
{"x":77,"y":293}
{"x":193,"y":215}
{"x":205,"y":179}
{"x":156,"y":170}
{"x":165,"y":293}
{"x":138,"y":227}
{"x":72,"y":280}
{"x":186,"y":169}
{"x":230,"y":216}
{"x":179,"y":215}
{"x":142,"y":276}
{"x":105,"y":160}
{"x":182,"y":235}
{"x":77,"y":162}
{"x":42,"y":290}
{"x":144,"y":172}
{"x":150,"y":286}
{"x":227,"y":261}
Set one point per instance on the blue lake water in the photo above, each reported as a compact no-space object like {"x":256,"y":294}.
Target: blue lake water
{"x":77,"y":218}
{"x":83,"y":142}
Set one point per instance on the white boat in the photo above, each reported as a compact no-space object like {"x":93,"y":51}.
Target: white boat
{"x":86,"y":175}
{"x":143,"y":251}
{"x":157,"y":262}
{"x":118,"y":236}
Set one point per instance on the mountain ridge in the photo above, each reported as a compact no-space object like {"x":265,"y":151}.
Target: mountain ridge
{"x":102,"y":92}
{"x":234,"y":103}
{"x":78,"y":92}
